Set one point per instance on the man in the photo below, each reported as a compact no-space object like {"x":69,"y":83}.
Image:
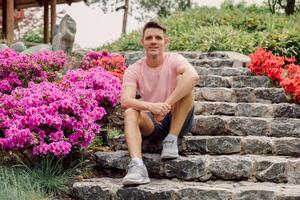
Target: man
{"x":165,"y":82}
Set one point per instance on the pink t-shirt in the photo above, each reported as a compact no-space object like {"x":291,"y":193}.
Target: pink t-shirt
{"x":155,"y":84}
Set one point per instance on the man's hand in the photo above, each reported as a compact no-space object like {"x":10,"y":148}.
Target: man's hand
{"x":158,"y":118}
{"x":160,"y":108}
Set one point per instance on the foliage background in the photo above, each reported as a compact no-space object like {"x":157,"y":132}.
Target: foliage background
{"x":232,"y":28}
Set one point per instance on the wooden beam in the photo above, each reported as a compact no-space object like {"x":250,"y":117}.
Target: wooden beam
{"x":10,"y":22}
{"x":53,"y":18}
{"x":37,"y":3}
{"x":46,"y":22}
{"x":3,"y":8}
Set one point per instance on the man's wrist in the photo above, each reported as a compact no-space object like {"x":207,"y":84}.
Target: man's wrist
{"x":168,"y":102}
{"x":148,"y":106}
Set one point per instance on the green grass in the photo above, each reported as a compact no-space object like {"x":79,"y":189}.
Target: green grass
{"x":16,"y":184}
{"x":51,"y":174}
{"x":41,"y":178}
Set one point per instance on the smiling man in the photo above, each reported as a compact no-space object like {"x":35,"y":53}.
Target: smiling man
{"x":165,"y":81}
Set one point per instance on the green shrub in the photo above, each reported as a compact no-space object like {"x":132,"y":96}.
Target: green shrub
{"x":231,"y":28}
{"x":34,"y":36}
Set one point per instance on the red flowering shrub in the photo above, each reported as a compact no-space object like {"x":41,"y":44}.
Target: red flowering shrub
{"x":283,"y":70}
{"x":112,"y":62}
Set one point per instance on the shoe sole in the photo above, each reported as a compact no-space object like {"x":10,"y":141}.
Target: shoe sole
{"x":135,"y":182}
{"x":169,"y":156}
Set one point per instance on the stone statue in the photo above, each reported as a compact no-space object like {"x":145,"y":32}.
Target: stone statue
{"x":64,"y":38}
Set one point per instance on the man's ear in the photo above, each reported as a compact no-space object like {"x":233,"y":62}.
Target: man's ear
{"x":167,"y":41}
{"x":142,"y":41}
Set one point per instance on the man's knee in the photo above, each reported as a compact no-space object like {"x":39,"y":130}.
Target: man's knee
{"x":187,"y":99}
{"x":131,"y":114}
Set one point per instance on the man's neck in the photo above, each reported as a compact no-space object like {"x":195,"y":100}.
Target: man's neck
{"x":154,"y":61}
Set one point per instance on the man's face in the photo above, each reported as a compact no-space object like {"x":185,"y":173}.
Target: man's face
{"x":154,"y":41}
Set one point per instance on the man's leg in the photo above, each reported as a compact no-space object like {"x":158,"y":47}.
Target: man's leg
{"x":135,"y":122}
{"x":180,"y":111}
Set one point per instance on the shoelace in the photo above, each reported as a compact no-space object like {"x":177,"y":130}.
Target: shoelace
{"x":168,"y":143}
{"x":132,"y":167}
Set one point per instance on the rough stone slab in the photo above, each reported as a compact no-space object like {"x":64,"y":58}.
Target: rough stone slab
{"x":223,"y":145}
{"x":211,"y":63}
{"x":211,"y":144}
{"x":286,"y":146}
{"x":162,"y":189}
{"x":215,"y":108}
{"x":258,"y":145}
{"x":285,"y":110}
{"x":249,"y":81}
{"x":271,"y":169}
{"x":285,"y":127}
{"x":243,"y":126}
{"x":213,"y":81}
{"x":273,"y":95}
{"x":231,"y":167}
{"x":239,"y":59}
{"x":247,"y":94}
{"x":200,"y":56}
{"x":234,"y":81}
{"x":224,"y":71}
{"x":206,"y":167}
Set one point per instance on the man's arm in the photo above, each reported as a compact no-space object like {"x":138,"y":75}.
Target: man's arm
{"x":188,"y":80}
{"x":128,"y":100}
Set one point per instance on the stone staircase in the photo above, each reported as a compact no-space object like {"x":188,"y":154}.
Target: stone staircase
{"x":244,"y":144}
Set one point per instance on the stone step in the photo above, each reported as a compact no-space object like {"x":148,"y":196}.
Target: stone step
{"x":243,"y":126}
{"x":234,"y":81}
{"x":277,"y":169}
{"x":213,"y":63}
{"x":247,"y":94}
{"x":286,"y":110}
{"x":224,"y":71}
{"x":222,"y":145}
{"x":162,"y":189}
{"x":201,"y":56}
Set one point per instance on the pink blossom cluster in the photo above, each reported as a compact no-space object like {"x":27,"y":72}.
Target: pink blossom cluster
{"x":104,"y":59}
{"x":17,"y":69}
{"x":53,"y":118}
{"x":112,"y":62}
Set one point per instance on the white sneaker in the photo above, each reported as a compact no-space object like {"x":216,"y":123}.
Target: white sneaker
{"x":136,"y":174}
{"x":170,"y":149}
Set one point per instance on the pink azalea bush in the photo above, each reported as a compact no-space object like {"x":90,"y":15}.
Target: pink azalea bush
{"x":54,"y":118}
{"x":17,"y":69}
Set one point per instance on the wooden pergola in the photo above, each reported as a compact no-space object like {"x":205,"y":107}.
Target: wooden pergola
{"x":8,"y":7}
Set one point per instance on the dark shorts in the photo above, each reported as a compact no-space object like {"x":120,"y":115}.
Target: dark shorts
{"x":162,"y":130}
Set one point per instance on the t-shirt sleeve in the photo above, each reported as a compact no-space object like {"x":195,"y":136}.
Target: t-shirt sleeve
{"x":179,"y":63}
{"x":130,"y":77}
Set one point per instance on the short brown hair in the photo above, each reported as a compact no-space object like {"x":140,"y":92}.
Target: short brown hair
{"x":153,"y":24}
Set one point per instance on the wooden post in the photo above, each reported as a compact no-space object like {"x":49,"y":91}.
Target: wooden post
{"x":10,"y":22}
{"x":46,"y":22}
{"x":125,"y":16}
{"x":53,"y":18}
{"x":3,"y":36}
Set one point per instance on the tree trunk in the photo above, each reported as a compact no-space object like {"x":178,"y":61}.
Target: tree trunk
{"x":290,"y":7}
{"x":125,"y":16}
